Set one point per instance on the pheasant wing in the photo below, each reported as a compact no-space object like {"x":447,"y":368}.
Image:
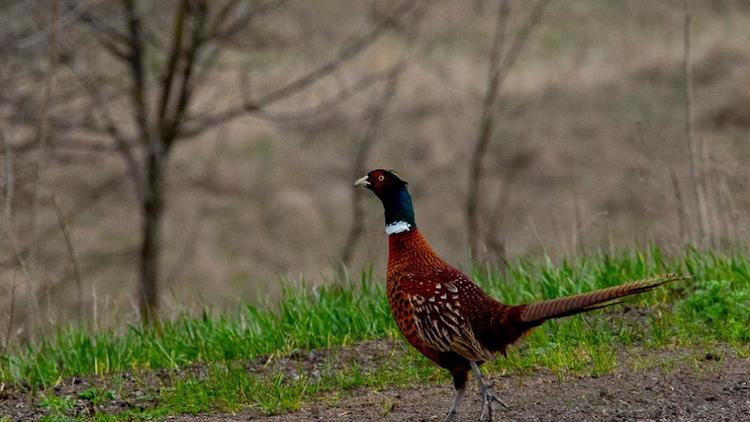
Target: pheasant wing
{"x":438,"y":317}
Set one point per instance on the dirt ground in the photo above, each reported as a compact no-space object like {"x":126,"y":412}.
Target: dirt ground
{"x":714,"y":387}
{"x":711,"y":391}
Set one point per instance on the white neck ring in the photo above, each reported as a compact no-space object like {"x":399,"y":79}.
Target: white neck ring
{"x":397,"y":227}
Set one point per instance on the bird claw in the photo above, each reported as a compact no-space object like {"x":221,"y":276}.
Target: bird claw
{"x":489,"y":397}
{"x":450,"y":417}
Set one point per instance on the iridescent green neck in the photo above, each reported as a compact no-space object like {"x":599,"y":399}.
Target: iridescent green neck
{"x":399,"y":212}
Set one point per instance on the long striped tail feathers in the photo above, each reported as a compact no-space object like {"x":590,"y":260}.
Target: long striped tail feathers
{"x":538,"y":312}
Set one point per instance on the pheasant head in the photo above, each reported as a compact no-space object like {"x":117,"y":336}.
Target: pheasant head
{"x":393,"y":192}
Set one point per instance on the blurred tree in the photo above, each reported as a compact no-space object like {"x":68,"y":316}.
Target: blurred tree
{"x":501,"y":61}
{"x":148,"y":61}
{"x":164,"y":77}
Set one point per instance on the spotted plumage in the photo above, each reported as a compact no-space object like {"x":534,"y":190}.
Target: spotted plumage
{"x":447,"y":317}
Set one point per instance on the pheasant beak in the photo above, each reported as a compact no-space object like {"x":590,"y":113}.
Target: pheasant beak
{"x":362,"y":182}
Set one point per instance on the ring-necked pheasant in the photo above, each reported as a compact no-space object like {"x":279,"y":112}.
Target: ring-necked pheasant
{"x":447,"y":317}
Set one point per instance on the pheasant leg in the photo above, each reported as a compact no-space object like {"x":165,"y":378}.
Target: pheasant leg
{"x":485,"y":390}
{"x":454,"y":406}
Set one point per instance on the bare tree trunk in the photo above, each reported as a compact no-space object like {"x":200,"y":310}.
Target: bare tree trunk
{"x":486,"y":126}
{"x":153,"y":210}
{"x":697,"y":179}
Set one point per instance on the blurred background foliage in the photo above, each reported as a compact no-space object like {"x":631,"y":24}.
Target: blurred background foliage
{"x":289,"y":100}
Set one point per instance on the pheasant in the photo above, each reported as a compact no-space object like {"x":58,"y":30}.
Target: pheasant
{"x":447,"y":317}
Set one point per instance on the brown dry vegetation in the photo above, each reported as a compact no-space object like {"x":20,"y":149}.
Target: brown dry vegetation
{"x":591,"y":125}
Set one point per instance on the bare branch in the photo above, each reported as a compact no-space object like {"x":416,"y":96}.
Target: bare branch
{"x":704,"y":237}
{"x":682,"y":223}
{"x":8,"y":178}
{"x":405,"y":10}
{"x":111,"y":129}
{"x":44,"y":129}
{"x":71,"y":254}
{"x":187,"y":249}
{"x":174,"y":56}
{"x":11,"y":315}
{"x":137,"y":70}
{"x":9,"y":226}
{"x":221,"y":17}
{"x":375,"y":117}
{"x":186,"y":87}
{"x":327,"y":104}
{"x":194,"y":127}
{"x":97,"y":194}
{"x":494,"y":236}
{"x":499,"y":69}
{"x":486,"y":124}
{"x":112,"y":39}
{"x":231,"y":29}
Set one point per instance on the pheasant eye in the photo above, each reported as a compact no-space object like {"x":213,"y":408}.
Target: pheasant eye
{"x":381,"y":178}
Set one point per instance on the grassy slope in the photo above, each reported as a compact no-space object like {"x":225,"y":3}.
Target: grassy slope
{"x":711,"y":311}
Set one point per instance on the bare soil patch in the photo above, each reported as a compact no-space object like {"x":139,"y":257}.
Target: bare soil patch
{"x":709,"y":391}
{"x":715,"y":388}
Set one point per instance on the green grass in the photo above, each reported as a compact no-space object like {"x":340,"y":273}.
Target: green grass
{"x":711,"y":312}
